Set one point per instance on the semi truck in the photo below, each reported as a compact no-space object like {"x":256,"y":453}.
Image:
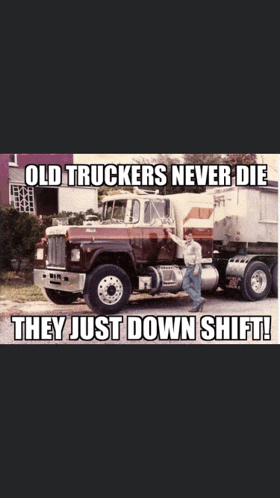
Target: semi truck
{"x":129,"y":250}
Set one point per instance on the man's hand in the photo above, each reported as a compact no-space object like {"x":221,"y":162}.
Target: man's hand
{"x":195,"y":272}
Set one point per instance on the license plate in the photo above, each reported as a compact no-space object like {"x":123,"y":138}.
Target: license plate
{"x":55,"y":278}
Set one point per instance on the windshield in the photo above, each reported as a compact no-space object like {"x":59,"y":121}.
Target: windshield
{"x":156,"y":209}
{"x":121,"y":211}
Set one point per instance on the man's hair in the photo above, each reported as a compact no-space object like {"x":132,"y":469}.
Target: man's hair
{"x":189,"y":231}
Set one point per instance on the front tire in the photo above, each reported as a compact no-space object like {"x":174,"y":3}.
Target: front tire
{"x":256,"y":282}
{"x":60,"y":297}
{"x":107,"y":289}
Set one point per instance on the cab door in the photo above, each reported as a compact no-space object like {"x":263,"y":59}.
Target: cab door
{"x":157,"y":246}
{"x":135,"y":232}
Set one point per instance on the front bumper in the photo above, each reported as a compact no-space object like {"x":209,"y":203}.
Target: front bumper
{"x":60,"y":280}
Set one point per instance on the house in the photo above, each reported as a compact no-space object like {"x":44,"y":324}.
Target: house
{"x":42,"y":200}
{"x":272,"y":164}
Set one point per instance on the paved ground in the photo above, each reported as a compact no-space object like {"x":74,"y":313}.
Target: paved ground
{"x":186,"y":328}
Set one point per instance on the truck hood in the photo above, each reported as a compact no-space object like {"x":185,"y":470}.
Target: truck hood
{"x":95,"y":233}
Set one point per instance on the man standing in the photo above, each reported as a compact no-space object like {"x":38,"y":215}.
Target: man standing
{"x":192,"y":259}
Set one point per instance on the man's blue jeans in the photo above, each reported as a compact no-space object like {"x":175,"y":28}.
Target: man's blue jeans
{"x":193,"y":291}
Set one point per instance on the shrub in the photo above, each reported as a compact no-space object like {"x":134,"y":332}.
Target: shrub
{"x":19,"y":233}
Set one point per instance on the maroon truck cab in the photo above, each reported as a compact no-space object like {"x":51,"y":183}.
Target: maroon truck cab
{"x":128,"y":250}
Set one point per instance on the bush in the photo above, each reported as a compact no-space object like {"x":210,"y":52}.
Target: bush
{"x":19,"y":233}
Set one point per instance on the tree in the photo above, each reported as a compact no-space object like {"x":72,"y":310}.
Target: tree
{"x":196,"y":159}
{"x":234,"y":159}
{"x":104,"y":190}
{"x":19,"y":233}
{"x":192,"y":159}
{"x":168,"y":160}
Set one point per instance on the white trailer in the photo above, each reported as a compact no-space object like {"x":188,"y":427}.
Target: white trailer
{"x":246,"y":238}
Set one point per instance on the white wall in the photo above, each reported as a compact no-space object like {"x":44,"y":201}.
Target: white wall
{"x":77,"y":199}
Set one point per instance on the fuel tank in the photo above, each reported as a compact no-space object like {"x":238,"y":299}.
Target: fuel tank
{"x":169,"y":278}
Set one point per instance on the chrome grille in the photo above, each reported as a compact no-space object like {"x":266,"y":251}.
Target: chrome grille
{"x":56,"y":251}
{"x":168,"y":275}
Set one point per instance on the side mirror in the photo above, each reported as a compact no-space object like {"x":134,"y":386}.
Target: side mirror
{"x":169,"y":221}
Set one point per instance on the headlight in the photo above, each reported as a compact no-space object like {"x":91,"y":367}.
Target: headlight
{"x":75,"y":255}
{"x":40,"y":253}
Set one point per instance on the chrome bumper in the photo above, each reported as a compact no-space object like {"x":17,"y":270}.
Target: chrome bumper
{"x":60,"y":280}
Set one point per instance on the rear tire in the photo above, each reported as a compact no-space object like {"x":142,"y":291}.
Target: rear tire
{"x":107,"y":289}
{"x":256,"y":282}
{"x":60,"y":297}
{"x":274,"y":285}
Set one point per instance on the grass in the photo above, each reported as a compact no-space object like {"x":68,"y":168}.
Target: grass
{"x":19,"y":287}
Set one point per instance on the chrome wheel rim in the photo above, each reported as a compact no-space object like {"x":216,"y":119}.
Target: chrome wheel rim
{"x":110,"y":290}
{"x":258,"y":281}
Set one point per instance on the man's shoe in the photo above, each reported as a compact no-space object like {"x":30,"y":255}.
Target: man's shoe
{"x":199,"y":307}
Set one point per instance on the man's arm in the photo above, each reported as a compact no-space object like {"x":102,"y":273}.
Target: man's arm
{"x":176,"y":239}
